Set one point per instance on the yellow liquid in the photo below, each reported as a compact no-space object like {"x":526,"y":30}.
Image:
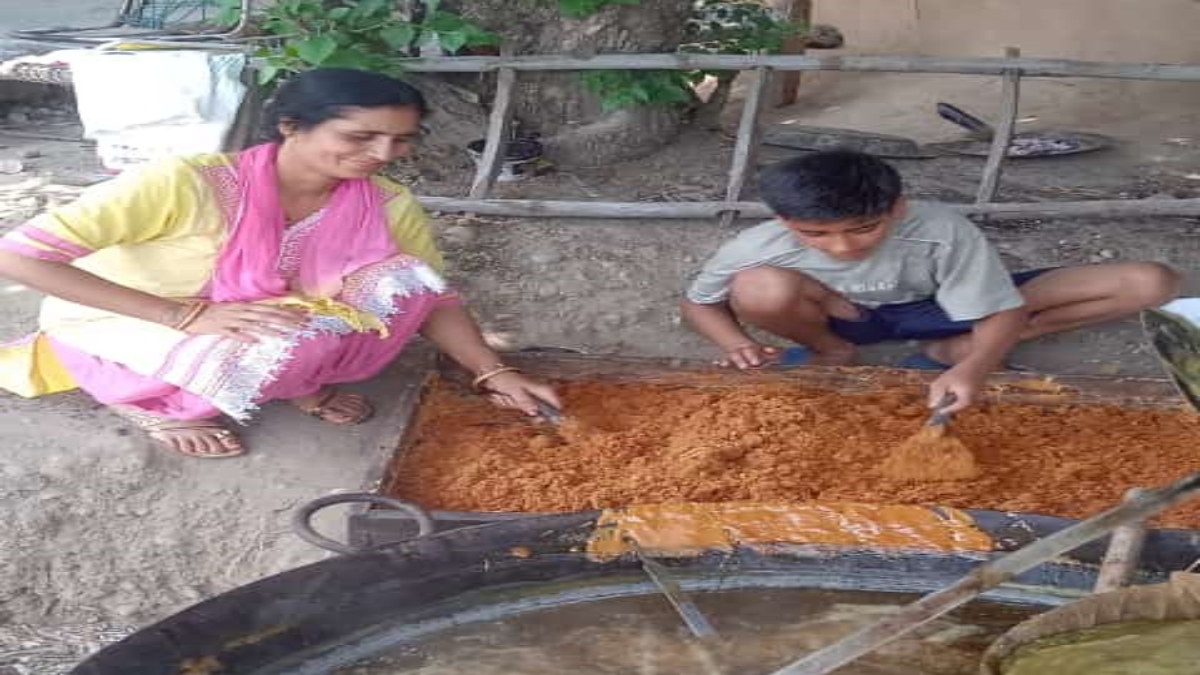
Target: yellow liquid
{"x":1126,"y":648}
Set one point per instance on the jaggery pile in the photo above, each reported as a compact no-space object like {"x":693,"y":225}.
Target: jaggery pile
{"x":643,"y":443}
{"x":931,"y":454}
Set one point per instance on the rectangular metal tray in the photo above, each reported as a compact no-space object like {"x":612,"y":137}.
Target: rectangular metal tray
{"x":372,"y":526}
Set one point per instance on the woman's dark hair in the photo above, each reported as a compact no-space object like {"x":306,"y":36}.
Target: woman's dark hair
{"x":830,"y":186}
{"x":319,"y":95}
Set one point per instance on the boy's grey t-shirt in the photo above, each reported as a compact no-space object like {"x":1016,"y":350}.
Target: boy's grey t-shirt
{"x":932,"y":252}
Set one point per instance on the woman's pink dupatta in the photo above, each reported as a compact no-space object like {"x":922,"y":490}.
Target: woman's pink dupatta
{"x":352,"y":233}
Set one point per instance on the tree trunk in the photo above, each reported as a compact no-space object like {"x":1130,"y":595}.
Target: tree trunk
{"x":558,"y":106}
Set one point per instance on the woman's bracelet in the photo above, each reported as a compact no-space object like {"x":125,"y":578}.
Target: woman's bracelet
{"x":486,"y":375}
{"x":195,"y":309}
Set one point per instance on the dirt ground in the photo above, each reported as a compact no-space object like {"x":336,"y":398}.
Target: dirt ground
{"x":105,"y":532}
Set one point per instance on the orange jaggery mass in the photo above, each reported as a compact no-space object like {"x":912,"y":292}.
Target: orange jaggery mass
{"x":931,"y":454}
{"x":643,"y":443}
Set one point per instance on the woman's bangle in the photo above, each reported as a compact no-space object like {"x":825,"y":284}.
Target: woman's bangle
{"x":195,"y":309}
{"x":486,"y":375}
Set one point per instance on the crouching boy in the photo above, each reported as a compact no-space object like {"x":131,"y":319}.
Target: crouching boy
{"x":849,"y":261}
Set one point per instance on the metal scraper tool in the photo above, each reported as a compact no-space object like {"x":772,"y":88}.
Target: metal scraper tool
{"x":549,"y":413}
{"x":695,"y":620}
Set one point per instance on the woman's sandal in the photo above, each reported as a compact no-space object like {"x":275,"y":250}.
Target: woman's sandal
{"x":172,"y":434}
{"x":325,"y":408}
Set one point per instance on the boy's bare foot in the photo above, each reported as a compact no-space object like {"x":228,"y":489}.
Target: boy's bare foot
{"x":335,"y":407}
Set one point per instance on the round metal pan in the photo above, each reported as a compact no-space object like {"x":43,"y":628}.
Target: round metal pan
{"x":1032,"y":144}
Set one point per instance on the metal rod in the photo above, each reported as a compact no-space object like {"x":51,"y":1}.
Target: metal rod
{"x":989,"y":575}
{"x":687,"y":610}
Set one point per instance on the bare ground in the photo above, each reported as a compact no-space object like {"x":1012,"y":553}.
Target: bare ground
{"x":105,"y":532}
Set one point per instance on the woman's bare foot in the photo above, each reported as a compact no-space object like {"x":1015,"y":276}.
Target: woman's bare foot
{"x":203,"y":439}
{"x":335,"y":407}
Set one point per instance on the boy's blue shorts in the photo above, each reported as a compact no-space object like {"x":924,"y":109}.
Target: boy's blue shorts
{"x":917,"y":320}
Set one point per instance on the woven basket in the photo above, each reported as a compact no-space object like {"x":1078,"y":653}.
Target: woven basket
{"x":1178,"y":599}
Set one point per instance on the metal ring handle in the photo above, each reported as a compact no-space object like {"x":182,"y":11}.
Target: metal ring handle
{"x":303,"y":528}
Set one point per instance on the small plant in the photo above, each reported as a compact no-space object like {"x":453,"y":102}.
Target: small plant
{"x":715,"y":27}
{"x":623,"y":88}
{"x":736,"y":27}
{"x":363,"y":34}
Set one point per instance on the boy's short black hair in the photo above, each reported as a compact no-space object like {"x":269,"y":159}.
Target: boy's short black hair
{"x":829,"y":186}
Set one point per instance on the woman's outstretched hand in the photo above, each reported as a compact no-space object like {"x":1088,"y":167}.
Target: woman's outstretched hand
{"x":514,"y":390}
{"x":245,"y":321}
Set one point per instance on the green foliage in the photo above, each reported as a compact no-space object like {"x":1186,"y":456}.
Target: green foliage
{"x":363,"y":34}
{"x":622,"y":88}
{"x":228,"y":12}
{"x":578,"y":9}
{"x":736,"y":27}
{"x":715,"y":27}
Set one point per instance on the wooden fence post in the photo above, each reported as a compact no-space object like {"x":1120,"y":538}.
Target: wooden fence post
{"x":1010,"y":94}
{"x":495,"y":146}
{"x":787,"y":85}
{"x":747,"y":139}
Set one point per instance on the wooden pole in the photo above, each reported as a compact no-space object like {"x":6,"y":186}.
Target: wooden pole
{"x":595,"y":209}
{"x":1165,"y":72}
{"x":747,"y":139}
{"x":496,"y":144}
{"x":989,"y":575}
{"x":1010,"y":96}
{"x":1124,"y":552}
{"x":787,"y":85}
{"x":702,"y":210}
{"x":787,"y":62}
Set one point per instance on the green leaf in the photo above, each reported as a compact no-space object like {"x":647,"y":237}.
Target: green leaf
{"x":576,"y":8}
{"x":310,"y":7}
{"x":284,"y":26}
{"x":375,"y":7}
{"x":477,"y":37}
{"x":315,"y":50}
{"x":399,"y":36}
{"x":452,"y":41}
{"x":339,"y":13}
{"x":431,"y":6}
{"x":268,"y":73}
{"x":229,"y":12}
{"x":444,"y":22}
{"x":579,"y":9}
{"x":349,"y":58}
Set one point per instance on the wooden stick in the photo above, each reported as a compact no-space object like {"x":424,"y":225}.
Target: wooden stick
{"x":747,"y":139}
{"x":1124,"y":552}
{"x":573,"y":209}
{"x":1171,"y":72}
{"x":787,"y":85}
{"x":701,"y":210}
{"x":1010,"y":96}
{"x":990,"y":575}
{"x":797,"y":62}
{"x":495,"y":147}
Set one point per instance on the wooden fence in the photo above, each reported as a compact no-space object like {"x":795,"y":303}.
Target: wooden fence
{"x":1011,"y":67}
